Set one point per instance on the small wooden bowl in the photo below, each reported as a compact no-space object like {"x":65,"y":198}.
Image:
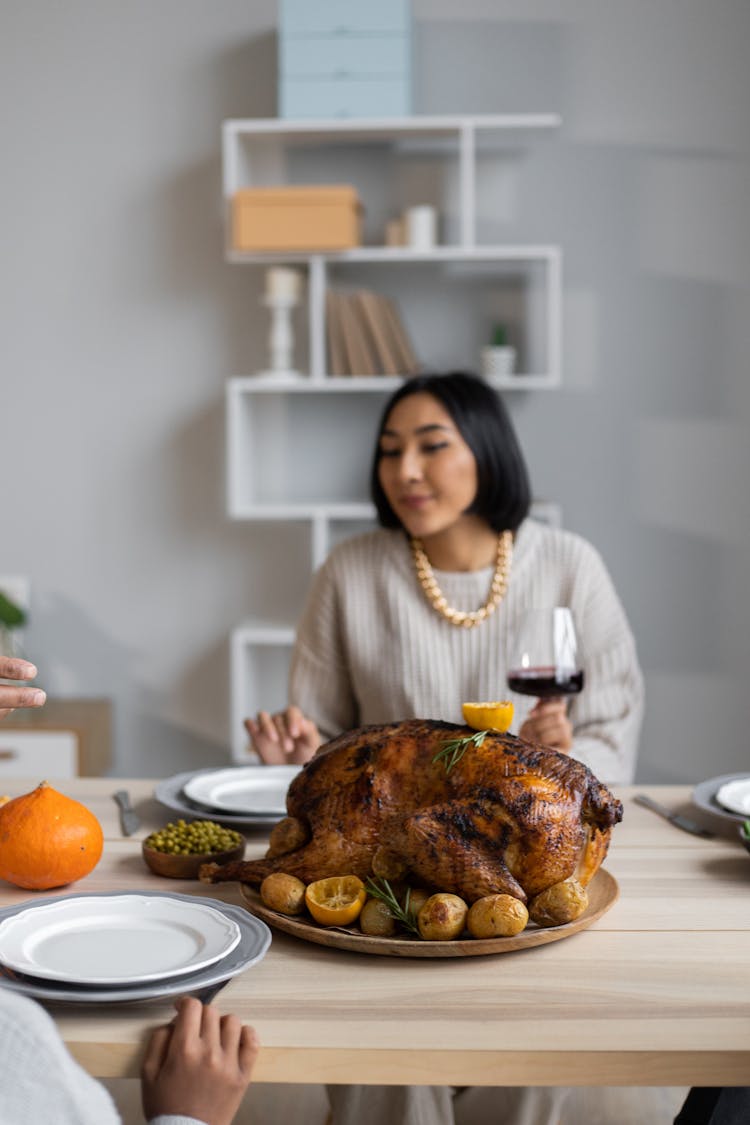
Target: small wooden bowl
{"x":187,"y":866}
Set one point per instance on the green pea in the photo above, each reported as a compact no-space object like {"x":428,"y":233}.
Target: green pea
{"x":196,"y":838}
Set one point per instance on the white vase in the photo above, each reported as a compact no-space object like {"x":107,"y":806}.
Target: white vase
{"x":9,"y":641}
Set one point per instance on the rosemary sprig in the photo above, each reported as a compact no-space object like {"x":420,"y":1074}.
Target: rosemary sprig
{"x":385,"y":893}
{"x":454,"y":749}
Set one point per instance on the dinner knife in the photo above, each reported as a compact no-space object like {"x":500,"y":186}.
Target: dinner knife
{"x":129,"y":822}
{"x":679,"y":821}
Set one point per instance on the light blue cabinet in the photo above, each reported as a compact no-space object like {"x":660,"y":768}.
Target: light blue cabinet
{"x":344,"y":58}
{"x":362,"y":56}
{"x":374,"y":97}
{"x":343,"y":17}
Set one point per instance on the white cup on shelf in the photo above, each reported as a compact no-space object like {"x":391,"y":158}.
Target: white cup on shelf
{"x":421,"y":227}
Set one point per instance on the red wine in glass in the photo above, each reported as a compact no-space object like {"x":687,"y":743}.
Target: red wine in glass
{"x":544,"y":659}
{"x":545,"y":683}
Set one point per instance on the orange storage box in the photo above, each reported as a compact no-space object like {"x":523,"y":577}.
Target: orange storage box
{"x":320,"y":217}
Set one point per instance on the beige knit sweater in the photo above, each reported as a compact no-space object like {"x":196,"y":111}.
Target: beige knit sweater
{"x":370,"y":649}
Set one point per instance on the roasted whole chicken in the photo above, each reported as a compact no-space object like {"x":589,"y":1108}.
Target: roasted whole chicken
{"x":509,"y":817}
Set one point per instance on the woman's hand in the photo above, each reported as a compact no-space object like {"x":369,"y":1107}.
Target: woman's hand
{"x":199,"y":1065}
{"x":288,"y":737}
{"x":11,"y":668}
{"x":549,"y":724}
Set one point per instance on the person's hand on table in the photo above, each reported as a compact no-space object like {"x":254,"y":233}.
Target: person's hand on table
{"x":287,"y":737}
{"x":548,"y":723}
{"x":11,"y":697}
{"x":199,"y":1066}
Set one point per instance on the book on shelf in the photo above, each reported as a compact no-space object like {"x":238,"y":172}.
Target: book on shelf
{"x":371,"y":317}
{"x":336,"y":357}
{"x":409,"y":361}
{"x":366,"y":336}
{"x":360,"y":358}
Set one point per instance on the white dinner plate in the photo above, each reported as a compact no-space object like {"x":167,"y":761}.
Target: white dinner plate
{"x":255,"y":939}
{"x":170,"y":793}
{"x":735,"y":796}
{"x":128,"y":939}
{"x":244,"y":790}
{"x":706,"y":796}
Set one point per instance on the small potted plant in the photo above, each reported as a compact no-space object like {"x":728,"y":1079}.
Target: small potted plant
{"x":498,"y":358}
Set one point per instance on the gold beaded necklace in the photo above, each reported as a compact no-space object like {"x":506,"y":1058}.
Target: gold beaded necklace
{"x":436,"y":598}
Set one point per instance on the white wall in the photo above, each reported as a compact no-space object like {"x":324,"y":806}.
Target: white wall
{"x":120,"y":322}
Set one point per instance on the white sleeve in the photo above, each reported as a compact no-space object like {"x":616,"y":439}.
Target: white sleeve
{"x":39,"y":1079}
{"x":607,"y":714}
{"x":319,"y":680}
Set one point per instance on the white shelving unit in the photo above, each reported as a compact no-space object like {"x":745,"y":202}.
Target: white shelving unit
{"x":465,"y":281}
{"x":393,"y":164}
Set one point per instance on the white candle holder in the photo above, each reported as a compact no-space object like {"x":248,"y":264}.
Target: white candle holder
{"x":281,"y":336}
{"x":280,"y":297}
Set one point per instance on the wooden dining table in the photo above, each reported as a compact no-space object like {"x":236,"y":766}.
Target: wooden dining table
{"x":655,"y":993}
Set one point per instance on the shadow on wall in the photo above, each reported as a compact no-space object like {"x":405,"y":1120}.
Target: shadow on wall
{"x":143,"y":745}
{"x":244,"y":83}
{"x":178,"y":224}
{"x":245,"y":79}
{"x":163,"y":748}
{"x":101,"y":662}
{"x":179,"y":257}
{"x":143,"y":742}
{"x":263,"y":563}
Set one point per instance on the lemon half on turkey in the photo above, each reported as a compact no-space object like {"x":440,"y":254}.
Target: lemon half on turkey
{"x":497,"y":715}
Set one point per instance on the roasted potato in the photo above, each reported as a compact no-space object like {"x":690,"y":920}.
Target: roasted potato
{"x":376,"y":919}
{"x":417,"y":898}
{"x":442,"y":918}
{"x":560,"y":903}
{"x":497,"y":916}
{"x":286,"y":836}
{"x":282,"y":892}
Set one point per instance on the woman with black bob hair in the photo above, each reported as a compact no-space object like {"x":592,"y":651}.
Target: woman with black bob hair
{"x":413,"y":619}
{"x":503,"y":494}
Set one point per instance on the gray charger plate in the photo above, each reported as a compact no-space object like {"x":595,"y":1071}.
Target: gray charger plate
{"x":704,"y":796}
{"x":252,"y":948}
{"x":169,"y":792}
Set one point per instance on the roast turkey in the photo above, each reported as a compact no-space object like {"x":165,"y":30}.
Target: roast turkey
{"x":509,"y":817}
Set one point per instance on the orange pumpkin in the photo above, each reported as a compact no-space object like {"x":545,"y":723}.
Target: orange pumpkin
{"x":47,"y":840}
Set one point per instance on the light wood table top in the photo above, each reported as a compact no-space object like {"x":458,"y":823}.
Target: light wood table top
{"x":657,"y":992}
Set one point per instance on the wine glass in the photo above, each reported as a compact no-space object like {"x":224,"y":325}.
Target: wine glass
{"x":544,"y":657}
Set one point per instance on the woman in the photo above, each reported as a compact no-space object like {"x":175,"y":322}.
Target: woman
{"x":414,"y":619}
{"x":383,"y":636}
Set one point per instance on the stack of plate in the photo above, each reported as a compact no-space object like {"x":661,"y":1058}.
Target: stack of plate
{"x":727,"y":796}
{"x":122,"y":947}
{"x":247,"y":796}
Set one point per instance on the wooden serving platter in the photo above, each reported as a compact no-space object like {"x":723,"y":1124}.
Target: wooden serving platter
{"x":603,"y":893}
